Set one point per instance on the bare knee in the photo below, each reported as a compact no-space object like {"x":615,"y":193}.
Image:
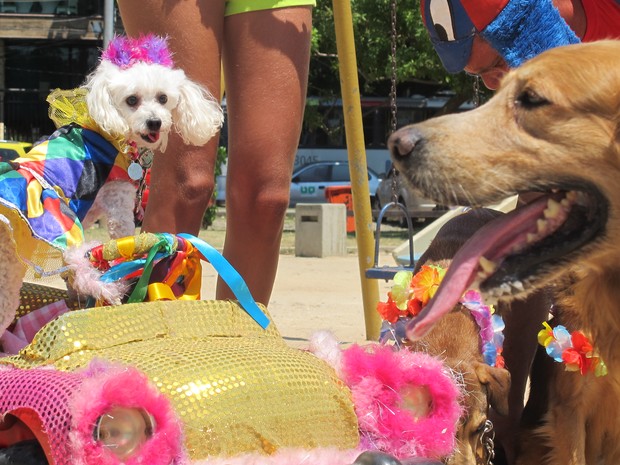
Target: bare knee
{"x":196,"y":191}
{"x":262,"y":210}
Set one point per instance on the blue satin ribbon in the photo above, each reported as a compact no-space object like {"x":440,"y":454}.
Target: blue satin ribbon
{"x":231,"y":277}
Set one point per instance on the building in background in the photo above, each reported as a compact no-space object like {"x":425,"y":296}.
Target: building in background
{"x":44,"y":45}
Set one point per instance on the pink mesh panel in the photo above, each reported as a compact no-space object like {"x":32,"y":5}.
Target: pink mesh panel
{"x":47,"y":392}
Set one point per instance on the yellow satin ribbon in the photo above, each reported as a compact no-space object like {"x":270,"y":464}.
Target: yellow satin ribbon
{"x":159,"y":291}
{"x":126,"y":246}
{"x":191,"y":270}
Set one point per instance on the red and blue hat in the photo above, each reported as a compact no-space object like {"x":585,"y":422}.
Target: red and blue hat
{"x":517,"y":29}
{"x":452,"y":25}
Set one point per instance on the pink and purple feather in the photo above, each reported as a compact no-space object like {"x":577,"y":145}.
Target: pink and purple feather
{"x":124,"y":52}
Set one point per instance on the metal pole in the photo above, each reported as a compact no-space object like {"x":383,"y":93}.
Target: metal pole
{"x":357,"y":162}
{"x":108,"y":22}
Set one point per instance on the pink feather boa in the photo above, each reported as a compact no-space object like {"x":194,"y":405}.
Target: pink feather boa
{"x":379,"y":378}
{"x":107,"y":386}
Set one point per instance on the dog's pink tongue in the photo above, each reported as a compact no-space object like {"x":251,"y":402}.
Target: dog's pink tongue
{"x":493,"y":241}
{"x":153,"y":136}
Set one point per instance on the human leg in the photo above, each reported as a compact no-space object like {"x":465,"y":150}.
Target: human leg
{"x":266,"y":56}
{"x":182,"y":178}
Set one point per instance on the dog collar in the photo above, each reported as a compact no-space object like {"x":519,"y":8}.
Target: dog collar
{"x":69,"y":107}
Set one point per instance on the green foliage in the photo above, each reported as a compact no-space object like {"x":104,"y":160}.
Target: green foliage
{"x":419,"y":69}
{"x":210,"y":213}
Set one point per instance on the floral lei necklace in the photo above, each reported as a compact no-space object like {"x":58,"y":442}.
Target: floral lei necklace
{"x":573,"y":349}
{"x":410,"y":294}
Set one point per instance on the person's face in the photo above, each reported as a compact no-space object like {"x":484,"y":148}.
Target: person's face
{"x":487,"y":63}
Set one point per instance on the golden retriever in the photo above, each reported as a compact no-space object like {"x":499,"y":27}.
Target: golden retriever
{"x":485,"y":386}
{"x":554,"y":128}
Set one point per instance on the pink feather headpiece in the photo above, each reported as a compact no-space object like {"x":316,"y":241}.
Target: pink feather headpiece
{"x":124,"y":52}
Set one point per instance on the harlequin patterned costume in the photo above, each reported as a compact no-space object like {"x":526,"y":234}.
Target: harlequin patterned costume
{"x":50,"y":190}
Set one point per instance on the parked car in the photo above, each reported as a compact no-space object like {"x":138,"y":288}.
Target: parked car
{"x":418,"y":208}
{"x":309,"y":182}
{"x":10,"y":150}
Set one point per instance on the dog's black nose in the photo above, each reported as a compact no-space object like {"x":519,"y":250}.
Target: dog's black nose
{"x":153,"y":124}
{"x":402,"y":142}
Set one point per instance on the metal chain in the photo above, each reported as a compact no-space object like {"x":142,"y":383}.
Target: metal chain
{"x":393,"y":107}
{"x":487,"y":441}
{"x":393,"y":38}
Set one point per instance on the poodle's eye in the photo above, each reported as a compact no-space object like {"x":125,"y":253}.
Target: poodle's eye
{"x":163,"y":99}
{"x":530,"y":99}
{"x":132,"y":100}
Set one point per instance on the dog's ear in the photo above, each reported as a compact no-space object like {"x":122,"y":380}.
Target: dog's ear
{"x":100,"y":104}
{"x":197,"y":117}
{"x":497,"y":383}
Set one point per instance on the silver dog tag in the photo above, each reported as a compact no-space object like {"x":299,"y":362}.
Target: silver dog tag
{"x":135,"y":171}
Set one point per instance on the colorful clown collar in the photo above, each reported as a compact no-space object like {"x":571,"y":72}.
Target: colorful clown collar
{"x":69,"y":107}
{"x":411,"y":293}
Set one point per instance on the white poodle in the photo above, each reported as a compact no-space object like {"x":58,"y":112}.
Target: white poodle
{"x":90,"y":166}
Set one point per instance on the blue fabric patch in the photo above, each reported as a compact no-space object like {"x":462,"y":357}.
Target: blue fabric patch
{"x":526,"y":28}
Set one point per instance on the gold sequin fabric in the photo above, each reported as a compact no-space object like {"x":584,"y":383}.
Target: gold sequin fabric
{"x":33,"y":296}
{"x":236,"y":387}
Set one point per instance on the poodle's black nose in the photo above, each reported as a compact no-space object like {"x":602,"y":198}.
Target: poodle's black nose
{"x":153,"y":124}
{"x":402,"y":142}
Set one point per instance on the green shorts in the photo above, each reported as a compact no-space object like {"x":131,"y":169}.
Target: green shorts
{"x":234,"y":7}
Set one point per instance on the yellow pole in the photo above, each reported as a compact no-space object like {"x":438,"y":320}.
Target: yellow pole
{"x":364,"y":230}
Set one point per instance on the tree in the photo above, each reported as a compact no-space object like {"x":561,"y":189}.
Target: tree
{"x":418,"y":67}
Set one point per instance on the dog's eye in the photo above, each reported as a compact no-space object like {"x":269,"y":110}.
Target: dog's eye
{"x":163,"y":99}
{"x":530,"y":99}
{"x":132,"y":100}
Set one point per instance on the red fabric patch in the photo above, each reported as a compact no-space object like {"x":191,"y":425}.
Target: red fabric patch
{"x":603,"y":19}
{"x":483,"y":12}
{"x":52,"y":206}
